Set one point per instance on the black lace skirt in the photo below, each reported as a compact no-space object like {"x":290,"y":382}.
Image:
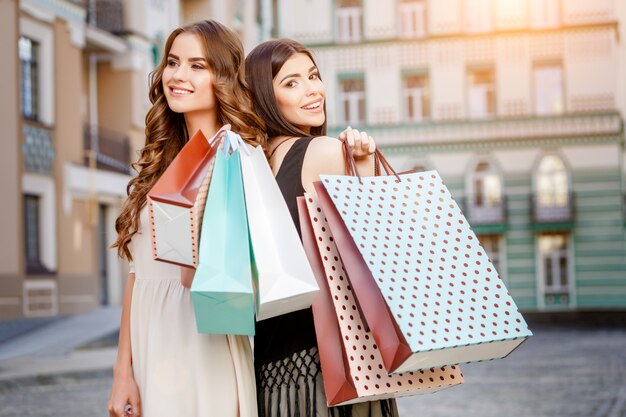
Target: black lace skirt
{"x":293,"y":387}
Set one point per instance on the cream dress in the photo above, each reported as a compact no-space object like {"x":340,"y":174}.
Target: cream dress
{"x":180,"y":372}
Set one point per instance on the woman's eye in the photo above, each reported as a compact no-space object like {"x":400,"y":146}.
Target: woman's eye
{"x":171,"y":63}
{"x":314,"y":76}
{"x":291,"y":84}
{"x":198,"y":67}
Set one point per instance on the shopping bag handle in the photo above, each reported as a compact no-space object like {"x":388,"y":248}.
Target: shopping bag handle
{"x":232,"y":141}
{"x":379,"y":160}
{"x":219,"y":134}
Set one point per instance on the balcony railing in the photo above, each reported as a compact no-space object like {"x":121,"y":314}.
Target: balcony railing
{"x":37,"y":148}
{"x":554,"y":208}
{"x":107,"y":15}
{"x":111,"y":149}
{"x":498,"y":130}
{"x":485,"y":214}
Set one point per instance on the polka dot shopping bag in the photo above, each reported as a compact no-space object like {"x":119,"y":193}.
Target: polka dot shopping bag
{"x":404,"y":240}
{"x":351,"y":363}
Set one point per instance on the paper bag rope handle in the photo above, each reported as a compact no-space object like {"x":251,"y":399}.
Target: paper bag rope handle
{"x":219,"y":134}
{"x":379,"y":160}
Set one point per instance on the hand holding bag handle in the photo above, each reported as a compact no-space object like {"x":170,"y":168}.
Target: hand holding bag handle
{"x":379,"y":160}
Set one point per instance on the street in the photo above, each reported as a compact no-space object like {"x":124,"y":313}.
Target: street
{"x":567,"y":372}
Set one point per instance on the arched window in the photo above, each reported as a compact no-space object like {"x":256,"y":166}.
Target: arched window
{"x":553,"y":200}
{"x":484,"y":203}
{"x":552,"y":185}
{"x":487,"y":186}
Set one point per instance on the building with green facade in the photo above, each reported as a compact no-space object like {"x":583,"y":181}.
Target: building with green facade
{"x":519,"y":104}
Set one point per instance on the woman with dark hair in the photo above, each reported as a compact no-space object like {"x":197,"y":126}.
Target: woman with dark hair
{"x":289,"y":96}
{"x":164,"y":367}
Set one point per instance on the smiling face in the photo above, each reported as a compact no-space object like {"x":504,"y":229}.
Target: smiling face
{"x":187,"y":78}
{"x":300,"y":93}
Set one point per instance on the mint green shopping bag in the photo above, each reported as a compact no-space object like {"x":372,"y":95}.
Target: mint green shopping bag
{"x":222,"y":293}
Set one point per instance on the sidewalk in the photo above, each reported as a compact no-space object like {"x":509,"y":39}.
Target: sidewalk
{"x":61,"y":347}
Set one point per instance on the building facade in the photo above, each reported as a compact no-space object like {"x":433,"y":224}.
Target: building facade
{"x":519,"y":104}
{"x":75,"y":96}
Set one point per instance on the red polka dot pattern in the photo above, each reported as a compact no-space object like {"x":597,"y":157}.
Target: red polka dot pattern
{"x":441,"y":287}
{"x":366,"y":365}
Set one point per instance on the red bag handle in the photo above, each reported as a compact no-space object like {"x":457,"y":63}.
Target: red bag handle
{"x":379,"y":160}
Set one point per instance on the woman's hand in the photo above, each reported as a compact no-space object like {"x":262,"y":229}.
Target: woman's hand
{"x":361,"y":144}
{"x":124,"y":400}
{"x":186,"y":276}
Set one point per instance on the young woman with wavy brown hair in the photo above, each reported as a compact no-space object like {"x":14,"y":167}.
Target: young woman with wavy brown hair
{"x":290,"y":97}
{"x":164,"y":367}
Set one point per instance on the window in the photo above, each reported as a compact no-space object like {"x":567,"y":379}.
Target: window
{"x":416,"y":98}
{"x":548,"y":89}
{"x":478,"y":16}
{"x":349,"y":21}
{"x":352,"y":101}
{"x":545,"y":13}
{"x":487,"y":186}
{"x":32,"y":234}
{"x":485,"y":201}
{"x":554,"y":261}
{"x":492,"y":245}
{"x":553,"y":201}
{"x":29,"y":53}
{"x":412,"y":19}
{"x":552,"y":182}
{"x":481,"y":93}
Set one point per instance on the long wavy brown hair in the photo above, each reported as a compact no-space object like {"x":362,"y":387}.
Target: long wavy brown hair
{"x":166,"y":131}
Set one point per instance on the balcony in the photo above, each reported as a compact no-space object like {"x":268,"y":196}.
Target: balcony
{"x":553,"y":209}
{"x":485,"y":214}
{"x":110,"y":149}
{"x":107,"y":15}
{"x":500,"y":131}
{"x":37,"y":148}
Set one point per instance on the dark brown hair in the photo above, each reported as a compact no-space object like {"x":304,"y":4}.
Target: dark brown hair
{"x":166,"y":131}
{"x":262,"y":65}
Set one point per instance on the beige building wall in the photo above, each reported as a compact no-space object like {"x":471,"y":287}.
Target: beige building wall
{"x":11,"y":242}
{"x":194,"y":10}
{"x":78,"y":264}
{"x":241,"y":16}
{"x":114,"y":97}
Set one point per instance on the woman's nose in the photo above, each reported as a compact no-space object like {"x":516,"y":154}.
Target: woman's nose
{"x":180,"y":74}
{"x":312,"y":88}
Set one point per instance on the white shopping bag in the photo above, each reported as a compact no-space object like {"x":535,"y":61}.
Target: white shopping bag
{"x":283,"y":277}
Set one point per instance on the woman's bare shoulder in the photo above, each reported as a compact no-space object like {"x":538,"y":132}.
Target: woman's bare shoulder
{"x":324,"y":156}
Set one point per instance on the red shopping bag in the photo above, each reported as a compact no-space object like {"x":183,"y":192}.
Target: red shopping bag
{"x":333,"y":359}
{"x":176,"y":201}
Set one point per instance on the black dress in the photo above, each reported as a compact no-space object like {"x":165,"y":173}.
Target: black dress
{"x":289,"y":380}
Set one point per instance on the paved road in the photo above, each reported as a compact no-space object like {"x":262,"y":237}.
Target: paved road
{"x":557,"y":373}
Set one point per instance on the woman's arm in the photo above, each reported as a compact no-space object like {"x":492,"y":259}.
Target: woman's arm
{"x":325,"y":156}
{"x":124,"y":389}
